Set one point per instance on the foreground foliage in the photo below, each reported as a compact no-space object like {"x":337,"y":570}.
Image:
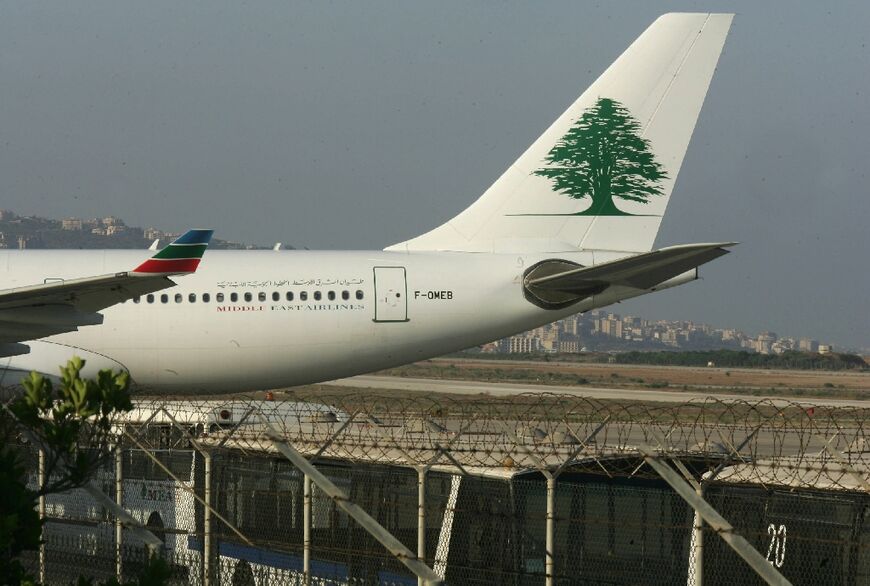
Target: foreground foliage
{"x":72,"y":422}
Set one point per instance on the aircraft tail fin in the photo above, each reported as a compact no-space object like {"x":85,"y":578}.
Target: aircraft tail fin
{"x":600,"y":176}
{"x":179,"y":257}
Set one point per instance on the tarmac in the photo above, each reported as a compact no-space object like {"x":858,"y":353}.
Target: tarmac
{"x":424,"y":385}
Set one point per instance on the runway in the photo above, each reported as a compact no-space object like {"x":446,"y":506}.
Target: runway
{"x":460,"y":387}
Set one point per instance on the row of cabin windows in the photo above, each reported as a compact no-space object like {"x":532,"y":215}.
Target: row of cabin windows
{"x":249,"y":297}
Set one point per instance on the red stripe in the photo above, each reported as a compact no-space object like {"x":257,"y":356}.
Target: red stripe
{"x":175,"y":265}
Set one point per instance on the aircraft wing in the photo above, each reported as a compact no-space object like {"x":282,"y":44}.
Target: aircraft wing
{"x":561,"y":282}
{"x":37,"y":311}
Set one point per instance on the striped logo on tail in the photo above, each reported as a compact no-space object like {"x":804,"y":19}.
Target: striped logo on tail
{"x":181,"y":256}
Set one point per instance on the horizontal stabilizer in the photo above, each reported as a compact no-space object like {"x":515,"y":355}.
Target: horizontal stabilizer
{"x":558,"y":283}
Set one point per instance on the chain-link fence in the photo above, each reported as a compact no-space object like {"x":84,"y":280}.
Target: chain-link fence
{"x":535,"y":489}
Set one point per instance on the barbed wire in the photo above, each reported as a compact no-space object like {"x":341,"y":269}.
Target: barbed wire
{"x":765,"y":441}
{"x":368,"y":442}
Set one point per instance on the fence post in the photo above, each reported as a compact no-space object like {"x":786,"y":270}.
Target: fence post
{"x":306,"y":529}
{"x":698,"y":542}
{"x":41,"y":480}
{"x":340,"y":498}
{"x":119,"y":526}
{"x":421,"y":517}
{"x":551,"y":529}
{"x":723,"y":528}
{"x":206,"y":528}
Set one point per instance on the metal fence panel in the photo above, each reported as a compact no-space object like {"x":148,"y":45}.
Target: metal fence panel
{"x":790,"y":478}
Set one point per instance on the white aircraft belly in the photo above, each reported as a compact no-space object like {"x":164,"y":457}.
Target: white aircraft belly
{"x":454,"y":301}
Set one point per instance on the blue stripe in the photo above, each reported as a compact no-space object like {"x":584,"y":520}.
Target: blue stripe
{"x":389,"y":578}
{"x":275,"y":559}
{"x":194,"y":237}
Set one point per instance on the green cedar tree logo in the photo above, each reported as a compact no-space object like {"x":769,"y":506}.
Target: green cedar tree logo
{"x":602,"y":157}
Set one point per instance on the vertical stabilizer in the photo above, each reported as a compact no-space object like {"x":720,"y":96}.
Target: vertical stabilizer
{"x":600,"y":177}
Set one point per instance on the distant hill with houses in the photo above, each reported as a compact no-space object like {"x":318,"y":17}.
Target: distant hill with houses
{"x":19,"y":232}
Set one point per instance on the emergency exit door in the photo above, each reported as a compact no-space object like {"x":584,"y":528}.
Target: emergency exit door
{"x":391,"y":294}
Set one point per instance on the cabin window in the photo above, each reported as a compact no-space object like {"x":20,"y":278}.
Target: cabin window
{"x":317,"y":295}
{"x":303,"y":296}
{"x":331,"y":295}
{"x":206,"y":297}
{"x":136,"y":299}
{"x":234,"y":297}
{"x":179,"y":298}
{"x":164,"y":298}
{"x":191,"y":298}
{"x":150,"y":298}
{"x":345,"y":295}
{"x":289,"y":295}
{"x":248,"y":297}
{"x":219,"y":297}
{"x":261,"y":296}
{"x":276,"y":296}
{"x":359,"y":294}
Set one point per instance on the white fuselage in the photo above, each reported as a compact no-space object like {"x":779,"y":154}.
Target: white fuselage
{"x":375,"y":310}
{"x":289,"y":318}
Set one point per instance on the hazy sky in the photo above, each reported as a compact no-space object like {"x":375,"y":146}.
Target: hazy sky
{"x":361,"y":124}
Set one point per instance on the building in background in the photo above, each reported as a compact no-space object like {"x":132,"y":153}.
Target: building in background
{"x":71,"y":224}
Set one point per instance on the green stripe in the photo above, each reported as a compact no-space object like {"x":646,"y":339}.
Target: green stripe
{"x":188,"y":251}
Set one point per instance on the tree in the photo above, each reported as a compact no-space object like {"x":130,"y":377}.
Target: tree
{"x":604,"y":156}
{"x":73,"y":424}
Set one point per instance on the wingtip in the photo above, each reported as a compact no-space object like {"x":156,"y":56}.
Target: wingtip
{"x":195,"y":236}
{"x":154,"y":267}
{"x":181,"y":257}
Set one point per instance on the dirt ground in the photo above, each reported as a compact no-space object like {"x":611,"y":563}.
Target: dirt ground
{"x":641,"y":375}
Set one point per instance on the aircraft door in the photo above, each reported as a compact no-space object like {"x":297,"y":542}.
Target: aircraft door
{"x":391,"y":294}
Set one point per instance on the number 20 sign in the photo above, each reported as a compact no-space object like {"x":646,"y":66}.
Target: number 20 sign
{"x":776,"y":549}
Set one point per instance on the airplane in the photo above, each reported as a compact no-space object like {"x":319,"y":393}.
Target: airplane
{"x":567,"y":228}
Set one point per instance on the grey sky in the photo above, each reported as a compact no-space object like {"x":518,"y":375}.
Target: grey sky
{"x":360,"y":124}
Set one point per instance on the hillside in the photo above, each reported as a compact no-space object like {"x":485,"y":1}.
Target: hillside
{"x":97,"y":233}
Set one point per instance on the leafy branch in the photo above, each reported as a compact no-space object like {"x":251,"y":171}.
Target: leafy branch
{"x":72,"y":424}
